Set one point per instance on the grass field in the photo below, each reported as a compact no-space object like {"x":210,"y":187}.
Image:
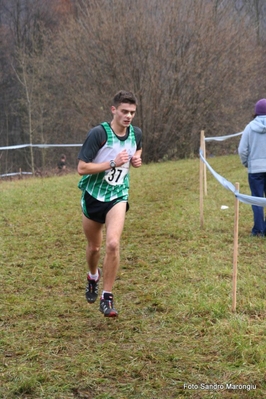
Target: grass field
{"x":176,"y":336}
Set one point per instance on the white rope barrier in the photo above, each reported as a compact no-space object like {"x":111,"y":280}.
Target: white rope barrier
{"x":16,"y":174}
{"x":247,"y":199}
{"x":222,"y":138}
{"x":14,"y":147}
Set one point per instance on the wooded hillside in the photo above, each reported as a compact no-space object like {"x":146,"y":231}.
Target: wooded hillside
{"x":193,"y":65}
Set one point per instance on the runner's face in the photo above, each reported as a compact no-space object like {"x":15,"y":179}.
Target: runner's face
{"x":124,"y":114}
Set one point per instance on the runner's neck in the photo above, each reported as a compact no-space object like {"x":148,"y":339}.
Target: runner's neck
{"x":119,"y":131}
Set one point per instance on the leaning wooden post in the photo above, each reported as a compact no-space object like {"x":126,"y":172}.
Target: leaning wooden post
{"x":201,"y":177}
{"x":235,"y":250}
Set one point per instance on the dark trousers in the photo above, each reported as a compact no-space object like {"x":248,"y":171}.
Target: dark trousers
{"x":257,"y":184}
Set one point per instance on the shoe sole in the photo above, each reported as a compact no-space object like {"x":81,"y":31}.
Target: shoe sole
{"x":112,"y":314}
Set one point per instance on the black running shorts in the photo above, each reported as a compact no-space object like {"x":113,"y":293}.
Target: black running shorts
{"x":97,"y":210}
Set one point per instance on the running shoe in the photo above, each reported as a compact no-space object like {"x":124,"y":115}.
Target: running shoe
{"x":92,"y":288}
{"x":107,"y":306}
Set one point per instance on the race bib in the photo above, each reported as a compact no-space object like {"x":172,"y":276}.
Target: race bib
{"x":116,"y":176}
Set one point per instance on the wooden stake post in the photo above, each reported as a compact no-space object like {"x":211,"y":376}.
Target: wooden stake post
{"x":235,"y":250}
{"x":204,"y":166}
{"x":201,"y":177}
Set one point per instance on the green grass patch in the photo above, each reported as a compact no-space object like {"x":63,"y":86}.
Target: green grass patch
{"x":176,"y":336}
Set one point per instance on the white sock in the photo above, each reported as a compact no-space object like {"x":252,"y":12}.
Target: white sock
{"x":94,"y":276}
{"x":106,"y":292}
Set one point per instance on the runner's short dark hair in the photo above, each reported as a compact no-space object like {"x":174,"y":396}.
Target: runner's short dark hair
{"x":124,"y":97}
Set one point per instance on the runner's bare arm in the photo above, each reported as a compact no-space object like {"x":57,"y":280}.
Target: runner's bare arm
{"x":90,"y":168}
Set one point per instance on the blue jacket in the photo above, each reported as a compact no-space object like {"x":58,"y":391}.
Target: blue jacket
{"x":252,"y":146}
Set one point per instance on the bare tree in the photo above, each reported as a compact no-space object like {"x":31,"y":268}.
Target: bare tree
{"x":24,"y":25}
{"x":256,"y":10}
{"x":189,"y":63}
{"x":193,"y":65}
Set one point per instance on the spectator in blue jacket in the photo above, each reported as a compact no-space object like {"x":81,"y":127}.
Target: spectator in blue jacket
{"x":252,"y":152}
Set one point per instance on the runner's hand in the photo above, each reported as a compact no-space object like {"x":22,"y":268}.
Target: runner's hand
{"x":122,"y":158}
{"x":136,"y":161}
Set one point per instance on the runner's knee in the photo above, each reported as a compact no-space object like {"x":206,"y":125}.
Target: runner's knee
{"x":93,"y":249}
{"x":112,"y":245}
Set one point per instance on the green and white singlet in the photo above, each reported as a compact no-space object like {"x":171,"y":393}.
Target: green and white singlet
{"x":113,"y":183}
